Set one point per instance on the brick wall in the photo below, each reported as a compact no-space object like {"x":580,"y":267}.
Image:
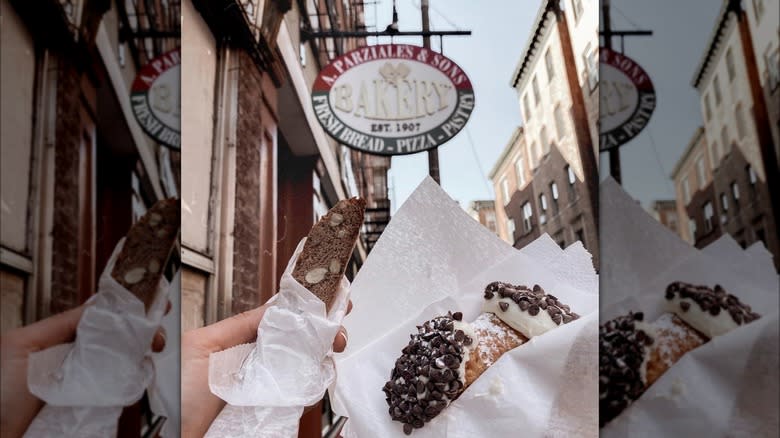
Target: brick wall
{"x":246,"y":247}
{"x":64,"y":281}
{"x":254,"y":250}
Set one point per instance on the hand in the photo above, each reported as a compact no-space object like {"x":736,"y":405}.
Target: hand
{"x":199,"y":406}
{"x":18,"y":405}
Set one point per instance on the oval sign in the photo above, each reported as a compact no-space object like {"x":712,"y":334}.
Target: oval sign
{"x":156,"y":99}
{"x":392,"y":99}
{"x":627,"y":99}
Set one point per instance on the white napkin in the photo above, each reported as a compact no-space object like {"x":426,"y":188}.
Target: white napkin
{"x":433,"y":257}
{"x":85,"y":384}
{"x":727,"y":387}
{"x":268,"y":383}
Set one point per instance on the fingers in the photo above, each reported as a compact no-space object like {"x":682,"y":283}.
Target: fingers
{"x":349,"y":307}
{"x":236,"y":330}
{"x":158,"y":342}
{"x":340,"y":342}
{"x":49,"y":332}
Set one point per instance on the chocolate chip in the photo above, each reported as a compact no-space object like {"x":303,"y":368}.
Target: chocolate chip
{"x":557,"y":319}
{"x":459,"y":335}
{"x":467,"y":340}
{"x":542,"y":304}
{"x":488,"y":295}
{"x":504,"y":306}
{"x":552,"y":310}
{"x":524,"y":305}
{"x":408,"y":429}
{"x":715,"y":310}
{"x":457,"y":316}
{"x":684,"y":305}
{"x":533,"y":310}
{"x":567,"y":319}
{"x":537,"y":288}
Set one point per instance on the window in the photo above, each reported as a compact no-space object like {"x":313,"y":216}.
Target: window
{"x":730,"y":64}
{"x":510,"y":228}
{"x":724,"y":139}
{"x":758,"y":9}
{"x":581,"y":237}
{"x":490,"y":219}
{"x":526,"y":108}
{"x":528,"y":215}
{"x":772,"y":58}
{"x":686,"y":189}
{"x":572,"y":179}
{"x":724,"y":205}
{"x":576,"y":7}
{"x":714,"y":154}
{"x":716,"y":88}
{"x":560,"y":124}
{"x":707,"y":107}
{"x":505,"y":190}
{"x":554,"y":195}
{"x":542,"y":208}
{"x":740,"y":116}
{"x":692,"y":228}
{"x":708,"y":214}
{"x":591,"y":57}
{"x":700,"y":173}
{"x":537,"y":96}
{"x":548,"y":62}
{"x":520,"y":172}
{"x":735,"y":194}
{"x":751,"y":175}
{"x":545,"y":141}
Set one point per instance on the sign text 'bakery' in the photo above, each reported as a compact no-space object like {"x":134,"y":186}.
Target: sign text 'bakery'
{"x":392,"y":99}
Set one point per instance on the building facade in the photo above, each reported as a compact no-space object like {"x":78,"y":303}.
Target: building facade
{"x":77,"y":169}
{"x":543,"y":181}
{"x":259,"y":168}
{"x":723,"y":178}
{"x":484,"y":212}
{"x":665,"y":212}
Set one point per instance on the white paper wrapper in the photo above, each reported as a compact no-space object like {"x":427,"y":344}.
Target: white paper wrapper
{"x":432,"y":258}
{"x":267,"y":384}
{"x":85,"y":384}
{"x":727,"y":387}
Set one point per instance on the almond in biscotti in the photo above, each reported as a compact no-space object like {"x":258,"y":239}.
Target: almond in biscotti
{"x":147,"y":248}
{"x":328,"y":248}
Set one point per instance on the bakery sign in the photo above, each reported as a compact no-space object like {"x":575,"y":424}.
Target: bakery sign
{"x":392,"y":99}
{"x":627,"y":99}
{"x":155,"y":99}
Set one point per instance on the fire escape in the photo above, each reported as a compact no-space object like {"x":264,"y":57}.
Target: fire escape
{"x":369,"y":171}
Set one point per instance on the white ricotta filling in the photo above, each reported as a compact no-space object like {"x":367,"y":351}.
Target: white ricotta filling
{"x":520,"y":320}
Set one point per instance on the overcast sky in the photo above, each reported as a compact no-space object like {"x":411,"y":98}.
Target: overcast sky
{"x":670,"y":58}
{"x":488,"y":56}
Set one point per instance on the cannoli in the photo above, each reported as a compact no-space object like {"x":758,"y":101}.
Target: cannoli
{"x":447,"y":355}
{"x":328,"y":248}
{"x":147,"y":248}
{"x":634,"y":354}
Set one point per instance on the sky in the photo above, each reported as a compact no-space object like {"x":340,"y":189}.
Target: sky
{"x":488,"y":57}
{"x":670,"y":56}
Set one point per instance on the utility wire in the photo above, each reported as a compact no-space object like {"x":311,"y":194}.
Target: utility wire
{"x":624,"y":16}
{"x":479,"y":164}
{"x":664,"y":175}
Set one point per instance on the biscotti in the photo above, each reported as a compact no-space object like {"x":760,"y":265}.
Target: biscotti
{"x":328,"y":248}
{"x":147,"y":248}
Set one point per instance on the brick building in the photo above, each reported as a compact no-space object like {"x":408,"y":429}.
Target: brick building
{"x":77,"y":169}
{"x":540,"y":178}
{"x":723,"y":179}
{"x":259,"y":168}
{"x":665,"y":212}
{"x":484,"y":212}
